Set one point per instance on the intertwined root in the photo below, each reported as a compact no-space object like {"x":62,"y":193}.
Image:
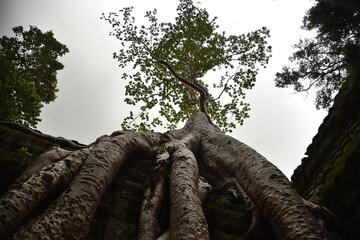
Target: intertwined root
{"x":187,"y":189}
{"x":37,"y":183}
{"x":80,"y":178}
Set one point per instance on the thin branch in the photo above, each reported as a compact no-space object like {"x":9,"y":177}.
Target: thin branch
{"x":226,"y":84}
{"x":322,"y":74}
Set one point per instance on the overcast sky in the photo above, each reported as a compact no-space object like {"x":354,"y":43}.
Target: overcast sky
{"x":90,"y":98}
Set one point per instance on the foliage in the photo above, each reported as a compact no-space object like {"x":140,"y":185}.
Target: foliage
{"x":28,"y":66}
{"x":323,"y":62}
{"x":25,"y":151}
{"x":193,"y":46}
{"x":18,"y":99}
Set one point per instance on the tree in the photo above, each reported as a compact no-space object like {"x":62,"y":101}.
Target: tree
{"x":29,"y":62}
{"x":191,"y":161}
{"x":323,"y":62}
{"x":192,"y":46}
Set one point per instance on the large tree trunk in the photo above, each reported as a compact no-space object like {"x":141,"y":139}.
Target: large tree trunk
{"x":191,"y":161}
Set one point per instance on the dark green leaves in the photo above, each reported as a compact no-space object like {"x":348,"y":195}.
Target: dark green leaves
{"x":193,"y":46}
{"x":28,"y":73}
{"x":321,"y":63}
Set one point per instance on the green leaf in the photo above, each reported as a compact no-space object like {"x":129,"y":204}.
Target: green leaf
{"x":193,"y":47}
{"x":28,"y":66}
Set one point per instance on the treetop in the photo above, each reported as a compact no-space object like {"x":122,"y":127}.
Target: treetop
{"x":193,"y":46}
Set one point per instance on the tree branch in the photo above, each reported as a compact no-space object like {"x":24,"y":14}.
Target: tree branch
{"x":204,"y":95}
{"x":227,"y":81}
{"x":321,"y":75}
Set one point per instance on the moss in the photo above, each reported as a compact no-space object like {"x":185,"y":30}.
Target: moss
{"x":335,"y":169}
{"x":228,"y":214}
{"x":344,"y":113}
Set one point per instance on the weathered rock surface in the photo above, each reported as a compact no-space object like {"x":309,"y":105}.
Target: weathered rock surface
{"x":329,"y":175}
{"x":19,"y":146}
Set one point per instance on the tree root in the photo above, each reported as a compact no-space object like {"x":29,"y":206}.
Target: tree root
{"x":187,"y":219}
{"x":90,"y":171}
{"x":187,"y":190}
{"x":233,"y":187}
{"x":327,"y":220}
{"x":154,"y":191}
{"x":23,"y":198}
{"x":86,"y":173}
{"x":204,"y":188}
{"x":45,"y":159}
{"x":270,"y":190}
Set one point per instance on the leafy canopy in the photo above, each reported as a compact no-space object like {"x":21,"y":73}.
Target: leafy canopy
{"x":323,"y":62}
{"x":192,"y":46}
{"x":28,"y":66}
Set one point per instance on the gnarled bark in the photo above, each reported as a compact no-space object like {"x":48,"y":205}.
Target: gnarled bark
{"x":181,"y":157}
{"x":187,"y":220}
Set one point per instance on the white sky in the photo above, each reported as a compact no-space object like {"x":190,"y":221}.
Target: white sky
{"x":90,"y":98}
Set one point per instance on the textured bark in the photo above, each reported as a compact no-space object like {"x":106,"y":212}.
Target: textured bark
{"x":42,"y":161}
{"x":23,"y":198}
{"x":69,"y":216}
{"x":270,"y":190}
{"x":199,"y":156}
{"x":267,"y":186}
{"x":204,"y":188}
{"x":187,"y":220}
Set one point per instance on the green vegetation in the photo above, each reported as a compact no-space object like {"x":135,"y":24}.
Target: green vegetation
{"x":28,"y":66}
{"x":25,"y":151}
{"x":324,"y":61}
{"x":192,"y":46}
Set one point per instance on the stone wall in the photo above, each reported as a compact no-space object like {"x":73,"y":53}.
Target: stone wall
{"x":329,"y":175}
{"x":19,"y":146}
